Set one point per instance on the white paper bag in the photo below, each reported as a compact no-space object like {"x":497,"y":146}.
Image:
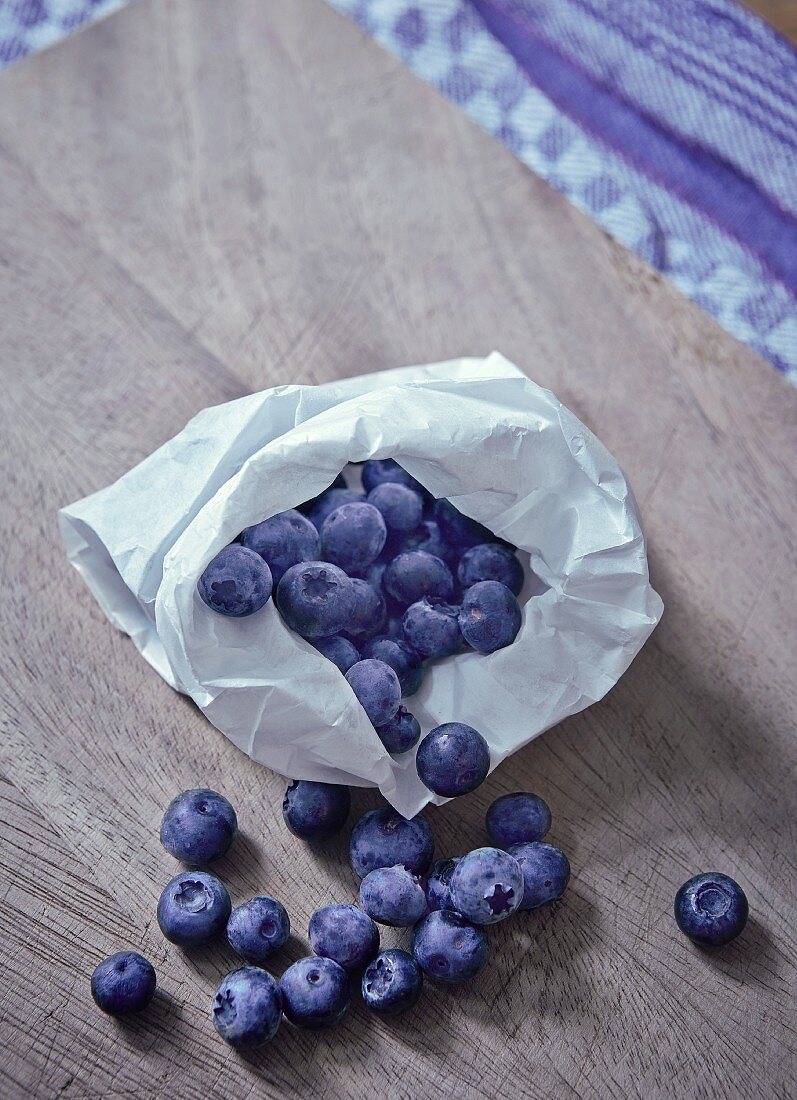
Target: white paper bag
{"x":477,"y":431}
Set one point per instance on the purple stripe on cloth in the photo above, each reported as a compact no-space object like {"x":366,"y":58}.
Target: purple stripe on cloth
{"x":696,"y":175}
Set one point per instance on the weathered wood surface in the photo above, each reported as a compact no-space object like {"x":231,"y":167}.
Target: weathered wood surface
{"x":199,"y":199}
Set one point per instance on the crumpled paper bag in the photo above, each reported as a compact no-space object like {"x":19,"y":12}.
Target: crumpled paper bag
{"x":477,"y":431}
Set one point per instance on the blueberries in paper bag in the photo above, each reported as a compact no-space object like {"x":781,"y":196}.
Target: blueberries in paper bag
{"x":428,"y":537}
{"x":340,"y":651}
{"x":377,"y":688}
{"x":401,"y":657}
{"x":458,"y":530}
{"x":489,"y":618}
{"x":282,"y":541}
{"x":370,"y":613}
{"x":401,"y":507}
{"x":490,"y":562}
{"x":415,"y":574}
{"x":353,"y":536}
{"x":316,"y":599}
{"x":237,"y":582}
{"x":378,"y":470}
{"x":401,"y":733}
{"x":326,"y":503}
{"x":431,"y":627}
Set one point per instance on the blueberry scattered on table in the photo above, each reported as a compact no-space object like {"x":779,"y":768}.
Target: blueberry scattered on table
{"x":282,"y":541}
{"x":383,"y":838}
{"x":414,"y":574}
{"x":490,"y":561}
{"x":315,"y":993}
{"x":340,"y":651}
{"x":546,"y":873}
{"x":237,"y":582}
{"x":316,"y":811}
{"x":353,"y":536}
{"x":377,"y":688}
{"x":400,"y":733}
{"x":448,"y":948}
{"x":487,"y":885}
{"x":401,"y":657}
{"x":489,"y":617}
{"x":438,"y":885}
{"x":123,"y":984}
{"x":198,"y":826}
{"x":193,"y":909}
{"x":518,"y":818}
{"x":316,"y":599}
{"x":393,"y":896}
{"x":392,"y":983}
{"x":453,"y":759}
{"x":401,"y":507}
{"x":711,"y":909}
{"x":247,"y":1008}
{"x":344,"y":933}
{"x":431,"y":627}
{"x":258,"y":928}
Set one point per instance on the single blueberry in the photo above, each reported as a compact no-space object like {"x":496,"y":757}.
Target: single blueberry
{"x":340,"y":651}
{"x":383,"y":838}
{"x":711,"y":909}
{"x":401,"y":657}
{"x":431,"y":627}
{"x":376,"y":471}
{"x":316,"y":599}
{"x":429,"y":538}
{"x":247,"y":1008}
{"x":490,"y":562}
{"x":487,"y":886}
{"x":344,"y":933}
{"x":325,"y":504}
{"x":123,"y":983}
{"x":377,"y":687}
{"x":546,"y":873}
{"x":453,"y":759}
{"x":315,"y":993}
{"x":489,"y":617}
{"x":316,"y":811}
{"x":258,"y":928}
{"x":353,"y":536}
{"x":393,"y":895}
{"x":237,"y":582}
{"x":519,"y":818}
{"x":308,"y":505}
{"x":401,"y":507}
{"x":194,"y":908}
{"x":282,"y":541}
{"x":416,"y":574}
{"x":370,"y":612}
{"x":459,"y":530}
{"x":449,"y":948}
{"x":438,"y":885}
{"x":198,"y":826}
{"x":401,"y":733}
{"x":392,"y":983}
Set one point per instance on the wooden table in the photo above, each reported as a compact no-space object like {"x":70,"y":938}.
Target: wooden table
{"x":199,"y":200}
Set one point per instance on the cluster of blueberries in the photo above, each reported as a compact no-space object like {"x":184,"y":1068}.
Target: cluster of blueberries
{"x":379,"y":581}
{"x":448,"y":905}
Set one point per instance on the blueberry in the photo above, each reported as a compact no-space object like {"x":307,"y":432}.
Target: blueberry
{"x":258,"y":928}
{"x":711,"y":909}
{"x":416,"y":574}
{"x":459,"y":530}
{"x":401,"y":507}
{"x":198,"y":826}
{"x":393,"y":895}
{"x":308,"y":505}
{"x":247,"y":1008}
{"x":340,"y":651}
{"x":316,"y":599}
{"x":123,"y":983}
{"x":383,"y":838}
{"x":237,"y":582}
{"x":438,"y":885}
{"x":370,"y":612}
{"x":489,"y":617}
{"x":344,"y":933}
{"x":315,"y":993}
{"x":194,"y":908}
{"x":487,"y":886}
{"x":377,"y":687}
{"x":401,"y":732}
{"x":392,"y":983}
{"x":518,"y":819}
{"x":353,"y":536}
{"x":376,"y":471}
{"x":316,"y":811}
{"x":282,"y":541}
{"x":449,"y":948}
{"x":401,"y":657}
{"x":490,"y":561}
{"x":431,"y":628}
{"x":429,"y":538}
{"x":546,"y":873}
{"x":326,"y":503}
{"x":453,"y":759}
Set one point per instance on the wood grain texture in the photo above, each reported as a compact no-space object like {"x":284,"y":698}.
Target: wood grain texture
{"x":782,"y":14}
{"x":200,"y":199}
